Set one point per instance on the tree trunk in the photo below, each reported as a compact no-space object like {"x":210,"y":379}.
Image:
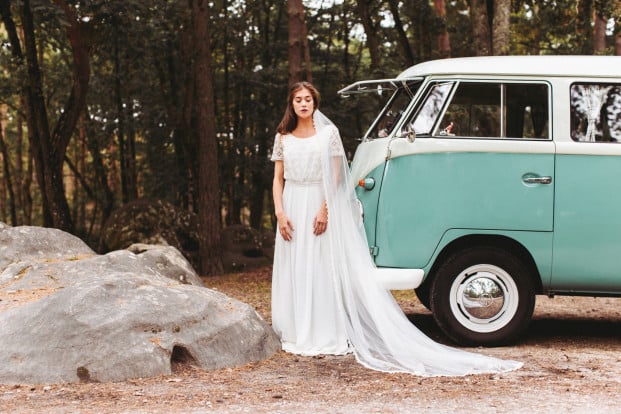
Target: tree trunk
{"x":584,"y":31}
{"x":82,"y":153}
{"x":402,"y":37}
{"x":259,"y":176}
{"x":25,"y":173}
{"x":68,"y":119}
{"x":208,"y":182}
{"x":183,"y":139}
{"x":127,"y":156}
{"x":49,"y":148}
{"x":444,"y":44}
{"x":25,"y":101}
{"x":501,"y":27}
{"x":373,"y":42}
{"x":174,"y":70}
{"x":237,"y":169}
{"x":479,"y":19}
{"x":120,"y":130}
{"x":599,"y":33}
{"x":307,"y":57}
{"x":31,"y":93}
{"x":616,"y":12}
{"x":296,"y":39}
{"x":344,"y":34}
{"x":6,"y":164}
{"x":130,"y":161}
{"x":187,"y":137}
{"x":9,"y":24}
{"x":104,"y":196}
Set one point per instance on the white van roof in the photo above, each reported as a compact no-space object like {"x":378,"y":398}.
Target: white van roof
{"x":589,"y":66}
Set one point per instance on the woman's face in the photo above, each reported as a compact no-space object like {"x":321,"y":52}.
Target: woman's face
{"x":303,"y":104}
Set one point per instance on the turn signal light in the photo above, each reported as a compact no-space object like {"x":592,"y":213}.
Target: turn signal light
{"x":367,"y":183}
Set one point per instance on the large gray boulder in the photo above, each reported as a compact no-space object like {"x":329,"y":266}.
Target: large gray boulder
{"x":69,"y":315}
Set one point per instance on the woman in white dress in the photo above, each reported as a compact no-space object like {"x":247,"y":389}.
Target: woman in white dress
{"x":326,"y":298}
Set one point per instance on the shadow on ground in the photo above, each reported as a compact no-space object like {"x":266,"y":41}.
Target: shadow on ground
{"x":563,"y":326}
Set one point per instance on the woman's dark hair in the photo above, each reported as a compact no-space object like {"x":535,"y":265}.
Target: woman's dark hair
{"x":290,"y":119}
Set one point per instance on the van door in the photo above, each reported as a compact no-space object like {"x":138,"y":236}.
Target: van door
{"x":482,"y":161}
{"x":587,"y":230}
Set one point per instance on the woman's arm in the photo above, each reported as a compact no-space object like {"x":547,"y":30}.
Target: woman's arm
{"x":285,"y":227}
{"x":320,"y":224}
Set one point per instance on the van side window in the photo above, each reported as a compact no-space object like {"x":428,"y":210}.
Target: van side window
{"x":497,"y":110}
{"x":596,"y":112}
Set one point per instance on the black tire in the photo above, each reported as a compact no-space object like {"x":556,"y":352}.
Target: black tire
{"x":482,"y":296}
{"x":423,"y":293}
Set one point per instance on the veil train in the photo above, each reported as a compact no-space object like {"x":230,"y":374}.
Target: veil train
{"x":382,"y":336}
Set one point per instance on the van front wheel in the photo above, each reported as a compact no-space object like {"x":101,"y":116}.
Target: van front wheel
{"x":482,"y":296}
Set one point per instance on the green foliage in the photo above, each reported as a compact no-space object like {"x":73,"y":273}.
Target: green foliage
{"x":537,"y":28}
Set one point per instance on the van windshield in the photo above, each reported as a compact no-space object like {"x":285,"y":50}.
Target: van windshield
{"x":394,"y":110}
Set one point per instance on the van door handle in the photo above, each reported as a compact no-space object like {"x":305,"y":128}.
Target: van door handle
{"x":537,"y":180}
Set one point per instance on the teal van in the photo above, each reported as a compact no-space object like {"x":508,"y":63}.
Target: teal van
{"x":498,"y":179}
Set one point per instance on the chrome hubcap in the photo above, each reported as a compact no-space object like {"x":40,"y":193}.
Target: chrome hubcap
{"x":484,"y":298}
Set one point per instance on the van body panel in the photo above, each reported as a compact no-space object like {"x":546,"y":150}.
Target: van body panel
{"x":369,"y":201}
{"x":587,"y":228}
{"x":485,"y":190}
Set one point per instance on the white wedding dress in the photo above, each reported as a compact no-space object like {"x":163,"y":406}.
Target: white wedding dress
{"x":326,"y":298}
{"x":306,"y":313}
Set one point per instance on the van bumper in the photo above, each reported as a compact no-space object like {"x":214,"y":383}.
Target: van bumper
{"x":399,"y":279}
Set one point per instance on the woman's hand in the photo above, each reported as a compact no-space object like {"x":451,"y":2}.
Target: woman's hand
{"x":320,"y":224}
{"x":285,"y":227}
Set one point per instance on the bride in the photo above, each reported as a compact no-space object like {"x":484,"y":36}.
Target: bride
{"x":325,"y":296}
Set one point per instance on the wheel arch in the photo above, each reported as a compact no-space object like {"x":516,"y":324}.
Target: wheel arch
{"x":493,"y":240}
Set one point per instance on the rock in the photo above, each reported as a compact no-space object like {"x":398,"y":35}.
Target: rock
{"x":168,"y":261}
{"x":69,"y":315}
{"x":38,"y":243}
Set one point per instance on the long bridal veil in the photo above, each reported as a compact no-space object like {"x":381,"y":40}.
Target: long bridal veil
{"x":382,"y":336}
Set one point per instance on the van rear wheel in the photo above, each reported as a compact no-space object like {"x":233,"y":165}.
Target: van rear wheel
{"x":482,"y":296}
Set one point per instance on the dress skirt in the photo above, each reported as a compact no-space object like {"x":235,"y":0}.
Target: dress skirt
{"x":306,"y":310}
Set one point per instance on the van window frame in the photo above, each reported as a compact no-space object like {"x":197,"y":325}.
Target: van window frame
{"x":436,"y":130}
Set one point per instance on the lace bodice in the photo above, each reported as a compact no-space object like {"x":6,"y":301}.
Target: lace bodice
{"x":302,"y":156}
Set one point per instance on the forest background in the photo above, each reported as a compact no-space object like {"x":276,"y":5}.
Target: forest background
{"x":106,"y":102}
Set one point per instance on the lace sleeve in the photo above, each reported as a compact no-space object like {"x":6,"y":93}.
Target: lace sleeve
{"x":277,"y":153}
{"x":336,"y":146}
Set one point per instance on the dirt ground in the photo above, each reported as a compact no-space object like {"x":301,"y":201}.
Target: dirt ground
{"x":571,"y":355}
